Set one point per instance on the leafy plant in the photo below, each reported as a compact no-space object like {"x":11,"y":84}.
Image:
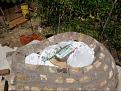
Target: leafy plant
{"x":10,"y":1}
{"x":86,"y":16}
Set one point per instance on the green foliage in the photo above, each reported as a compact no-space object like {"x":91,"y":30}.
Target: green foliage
{"x":86,"y":16}
{"x":114,"y":34}
{"x":10,"y":1}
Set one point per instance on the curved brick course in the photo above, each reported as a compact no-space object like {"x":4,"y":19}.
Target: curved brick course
{"x":102,"y":74}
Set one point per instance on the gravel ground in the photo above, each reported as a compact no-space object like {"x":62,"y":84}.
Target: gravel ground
{"x":12,"y":38}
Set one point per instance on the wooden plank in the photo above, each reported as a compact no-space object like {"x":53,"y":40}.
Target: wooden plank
{"x":10,"y":13}
{"x":2,"y":83}
{"x":16,"y":22}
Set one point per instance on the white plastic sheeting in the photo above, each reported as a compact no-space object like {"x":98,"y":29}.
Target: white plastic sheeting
{"x":35,"y":59}
{"x":82,"y":56}
{"x":3,"y":62}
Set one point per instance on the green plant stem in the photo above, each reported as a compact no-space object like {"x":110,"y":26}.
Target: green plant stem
{"x":108,"y":17}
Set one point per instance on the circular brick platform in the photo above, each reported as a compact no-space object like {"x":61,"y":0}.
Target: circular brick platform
{"x":102,"y":74}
